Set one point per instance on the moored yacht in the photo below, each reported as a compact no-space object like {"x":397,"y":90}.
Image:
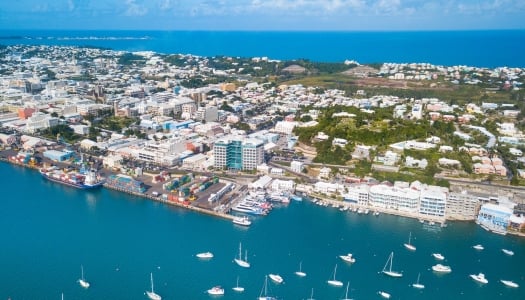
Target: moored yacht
{"x":438,"y":256}
{"x":478,"y":247}
{"x":479,"y":278}
{"x":509,"y":283}
{"x":508,"y":252}
{"x":205,"y":255}
{"x":384,"y":294}
{"x":244,"y":221}
{"x":334,"y":281}
{"x":441,"y":268}
{"x":216,"y":291}
{"x":276,"y":278}
{"x":348,"y":258}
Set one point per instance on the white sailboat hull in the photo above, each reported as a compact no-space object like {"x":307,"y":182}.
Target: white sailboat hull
{"x":335,"y":283}
{"x":153,"y":296}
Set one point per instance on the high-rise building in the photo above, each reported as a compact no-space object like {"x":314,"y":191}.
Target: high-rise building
{"x":238,"y":153}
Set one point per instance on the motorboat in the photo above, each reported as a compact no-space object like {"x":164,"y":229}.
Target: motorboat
{"x":243,"y":263}
{"x":151,"y":294}
{"x":509,"y":283}
{"x":508,"y":252}
{"x":441,"y":268}
{"x":389,"y":271}
{"x":300,"y":273}
{"x":478,"y":247}
{"x":216,"y":291}
{"x":276,"y":278}
{"x":438,"y":256}
{"x":418,"y":285}
{"x":243,"y":221}
{"x":409,"y":245}
{"x":238,"y":288}
{"x":479,"y":278}
{"x":83,"y":283}
{"x":334,"y":281}
{"x":384,"y":294}
{"x":205,"y":255}
{"x":348,"y":258}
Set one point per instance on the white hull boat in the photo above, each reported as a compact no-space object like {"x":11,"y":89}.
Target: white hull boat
{"x":238,"y":288}
{"x":276,"y":278}
{"x":478,"y":247}
{"x":205,"y":255}
{"x":216,"y":291}
{"x":264,"y":291}
{"x":83,"y":283}
{"x":333,"y":281}
{"x":348,"y":258}
{"x":438,"y":256}
{"x":409,"y":245}
{"x":479,"y":278}
{"x":509,"y":283}
{"x":508,"y":252}
{"x":384,"y":294}
{"x":243,"y":263}
{"x":418,"y":285}
{"x":389,"y":271}
{"x":300,"y":273}
{"x":151,"y":294}
{"x":441,"y":268}
{"x":243,"y":221}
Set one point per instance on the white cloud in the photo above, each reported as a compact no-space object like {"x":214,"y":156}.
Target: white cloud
{"x":134,"y":9}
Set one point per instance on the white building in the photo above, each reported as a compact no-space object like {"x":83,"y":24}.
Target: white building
{"x":296,"y":166}
{"x":393,"y":197}
{"x":40,"y":121}
{"x":462,"y":206}
{"x":327,"y":188}
{"x":495,"y":217}
{"x":285,"y":127}
{"x":195,"y":162}
{"x":433,"y":201}
{"x":357,"y":194}
{"x":283,"y":185}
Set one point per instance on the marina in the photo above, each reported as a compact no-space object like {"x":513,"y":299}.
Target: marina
{"x":118,"y":274}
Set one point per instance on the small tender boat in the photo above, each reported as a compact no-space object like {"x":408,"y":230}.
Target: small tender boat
{"x":509,"y":283}
{"x":438,"y":256}
{"x":384,"y":294}
{"x":205,"y":255}
{"x":479,"y":278}
{"x":276,"y":278}
{"x":441,"y":268}
{"x":348,"y":258}
{"x":508,"y":252}
{"x":216,"y":291}
{"x":478,"y":247}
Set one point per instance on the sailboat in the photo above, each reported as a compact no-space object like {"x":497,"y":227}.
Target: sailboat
{"x":418,"y":285}
{"x":408,"y":245}
{"x":264,"y":291}
{"x":346,"y":294}
{"x":333,"y":281}
{"x":238,"y":288}
{"x":151,"y":294}
{"x":311,"y":295}
{"x":83,"y":283}
{"x":243,"y":263}
{"x":389,"y":272}
{"x":300,"y":273}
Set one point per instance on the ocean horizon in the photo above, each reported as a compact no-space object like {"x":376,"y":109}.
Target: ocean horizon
{"x":477,"y":48}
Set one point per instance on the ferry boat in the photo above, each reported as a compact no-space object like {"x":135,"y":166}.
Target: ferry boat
{"x":243,"y":221}
{"x":479,"y":278}
{"x":216,"y":291}
{"x":441,"y":268}
{"x":73,"y":178}
{"x":510,"y":283}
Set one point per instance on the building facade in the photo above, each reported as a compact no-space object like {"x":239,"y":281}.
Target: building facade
{"x":238,"y":153}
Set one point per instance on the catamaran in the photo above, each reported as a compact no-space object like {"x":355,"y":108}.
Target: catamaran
{"x":408,"y":245}
{"x":300,"y":273}
{"x":334,"y":281}
{"x":83,"y":283}
{"x":418,"y":285}
{"x":243,"y":263}
{"x":151,"y":294}
{"x":389,"y":272}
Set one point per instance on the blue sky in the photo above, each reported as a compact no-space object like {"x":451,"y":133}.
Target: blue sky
{"x":361,"y":15}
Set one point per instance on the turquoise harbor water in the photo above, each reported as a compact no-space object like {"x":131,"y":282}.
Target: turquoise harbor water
{"x":49,"y":230}
{"x":481,"y":48}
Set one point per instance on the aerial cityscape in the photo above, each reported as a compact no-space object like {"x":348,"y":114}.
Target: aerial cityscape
{"x":179,"y":161}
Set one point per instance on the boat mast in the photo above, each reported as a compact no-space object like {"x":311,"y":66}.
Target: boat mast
{"x":151,"y":277}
